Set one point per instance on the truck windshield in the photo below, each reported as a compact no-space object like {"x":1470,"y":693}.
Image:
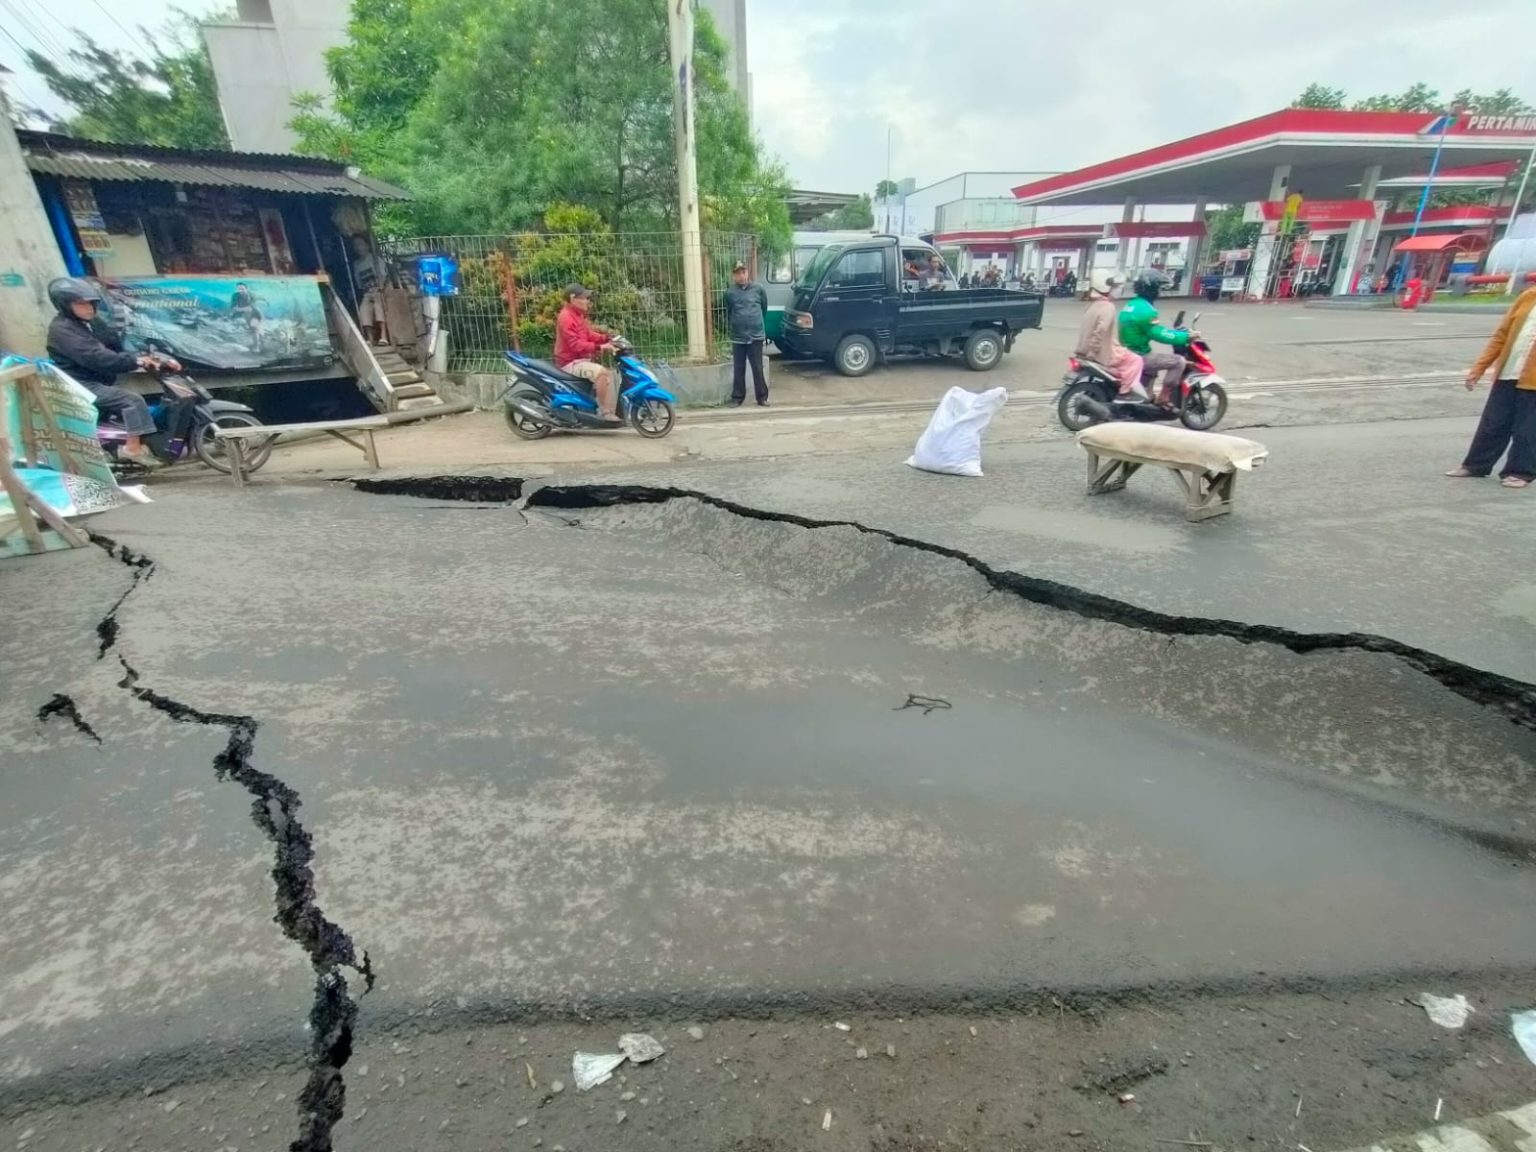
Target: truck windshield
{"x":817,"y":268}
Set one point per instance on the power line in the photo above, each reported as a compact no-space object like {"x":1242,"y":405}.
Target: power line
{"x":107,"y":12}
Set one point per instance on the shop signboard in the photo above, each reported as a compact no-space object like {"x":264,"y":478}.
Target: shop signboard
{"x":225,"y":323}
{"x":89,"y":225}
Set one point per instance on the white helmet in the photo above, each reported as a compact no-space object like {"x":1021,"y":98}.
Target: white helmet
{"x":1105,"y":283}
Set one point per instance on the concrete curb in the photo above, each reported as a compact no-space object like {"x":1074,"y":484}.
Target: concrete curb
{"x":1511,"y":1131}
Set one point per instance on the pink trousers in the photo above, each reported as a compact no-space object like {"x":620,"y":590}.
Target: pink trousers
{"x":1127,"y":369}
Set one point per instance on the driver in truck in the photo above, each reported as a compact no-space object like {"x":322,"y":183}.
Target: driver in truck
{"x":1139,"y":329}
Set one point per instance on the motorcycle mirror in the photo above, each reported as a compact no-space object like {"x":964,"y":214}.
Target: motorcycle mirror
{"x":1195,"y":319}
{"x":1178,"y":321}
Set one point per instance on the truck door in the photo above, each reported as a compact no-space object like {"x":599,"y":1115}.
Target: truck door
{"x":857,"y":295}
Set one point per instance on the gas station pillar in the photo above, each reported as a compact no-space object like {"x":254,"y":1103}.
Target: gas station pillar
{"x":1194,"y":253}
{"x":1127,"y":217}
{"x":1266,"y":250}
{"x":1360,"y":241}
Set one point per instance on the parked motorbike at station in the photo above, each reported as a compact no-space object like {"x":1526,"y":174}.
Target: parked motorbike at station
{"x":1090,"y":393}
{"x":541,"y":399}
{"x":186,"y":416}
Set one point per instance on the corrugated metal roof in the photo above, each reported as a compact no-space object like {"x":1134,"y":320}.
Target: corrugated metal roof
{"x":79,"y":159}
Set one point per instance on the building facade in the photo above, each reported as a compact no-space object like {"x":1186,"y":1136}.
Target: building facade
{"x":269,"y":52}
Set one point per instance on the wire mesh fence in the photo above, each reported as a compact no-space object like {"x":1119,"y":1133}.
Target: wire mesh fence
{"x":512,"y":287}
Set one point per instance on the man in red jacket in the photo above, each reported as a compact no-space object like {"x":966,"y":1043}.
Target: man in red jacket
{"x":577,"y":344}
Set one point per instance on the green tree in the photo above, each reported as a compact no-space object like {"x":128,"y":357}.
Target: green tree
{"x":855,"y":217}
{"x":886,"y":189}
{"x":1226,"y":229}
{"x":165,"y":95}
{"x":1320,"y":96}
{"x":489,"y":113}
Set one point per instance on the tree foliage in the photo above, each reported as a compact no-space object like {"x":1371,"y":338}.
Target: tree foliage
{"x":1418,"y":97}
{"x":490,"y":113}
{"x":1226,"y":229}
{"x":886,"y":189}
{"x":856,"y":217}
{"x":165,"y":95}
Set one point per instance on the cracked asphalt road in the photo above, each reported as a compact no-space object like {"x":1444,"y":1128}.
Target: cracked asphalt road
{"x":647,"y":762}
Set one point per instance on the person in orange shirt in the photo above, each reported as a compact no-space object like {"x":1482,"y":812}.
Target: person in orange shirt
{"x":578,"y":343}
{"x":1509,"y":417}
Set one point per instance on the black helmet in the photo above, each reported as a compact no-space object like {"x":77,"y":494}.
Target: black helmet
{"x":67,"y":289}
{"x":1149,"y":284}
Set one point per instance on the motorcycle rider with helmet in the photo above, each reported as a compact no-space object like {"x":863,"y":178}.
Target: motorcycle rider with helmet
{"x":96,"y":361}
{"x":1139,"y":329}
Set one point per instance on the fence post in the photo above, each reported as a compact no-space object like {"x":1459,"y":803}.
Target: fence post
{"x":509,"y":294}
{"x":709,"y":300}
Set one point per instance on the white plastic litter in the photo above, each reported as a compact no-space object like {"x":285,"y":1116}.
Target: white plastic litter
{"x":1523,"y":1024}
{"x":951,"y":443}
{"x":1449,"y":1012}
{"x":591,"y":1069}
{"x":640,"y":1047}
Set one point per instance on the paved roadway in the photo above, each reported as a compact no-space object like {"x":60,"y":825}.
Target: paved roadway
{"x":649,"y":762}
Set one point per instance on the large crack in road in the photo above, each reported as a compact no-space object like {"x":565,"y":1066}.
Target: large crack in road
{"x":275,"y":811}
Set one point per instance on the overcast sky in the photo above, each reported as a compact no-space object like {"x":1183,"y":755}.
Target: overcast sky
{"x":1039,"y":85}
{"x":1020,"y":84}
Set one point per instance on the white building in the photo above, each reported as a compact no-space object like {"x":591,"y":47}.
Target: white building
{"x":271,"y":50}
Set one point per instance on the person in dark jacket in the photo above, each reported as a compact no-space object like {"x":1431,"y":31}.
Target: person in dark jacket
{"x":97,"y":360}
{"x":746,"y":306}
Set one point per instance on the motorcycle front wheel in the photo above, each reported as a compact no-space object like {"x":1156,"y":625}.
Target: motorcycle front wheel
{"x":1071,"y":411}
{"x":1203,"y":407}
{"x":215,"y":453}
{"x":653,"y":419}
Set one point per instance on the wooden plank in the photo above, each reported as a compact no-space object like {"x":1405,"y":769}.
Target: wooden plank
{"x":18,"y":371}
{"x":72,"y":462}
{"x":265,"y":430}
{"x":50,"y":516}
{"x":371,"y":453}
{"x":236,"y":460}
{"x":18,"y":493}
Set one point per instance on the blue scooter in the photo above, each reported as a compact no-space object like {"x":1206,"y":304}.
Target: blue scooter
{"x":542,"y":398}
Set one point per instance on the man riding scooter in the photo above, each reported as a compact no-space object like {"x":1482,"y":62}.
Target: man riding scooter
{"x":96,"y":361}
{"x":1139,"y":328}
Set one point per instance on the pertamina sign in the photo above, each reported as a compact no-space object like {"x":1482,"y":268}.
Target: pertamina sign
{"x":1524,"y":125}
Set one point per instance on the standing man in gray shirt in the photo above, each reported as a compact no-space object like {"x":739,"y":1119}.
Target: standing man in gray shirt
{"x":746,"y":306}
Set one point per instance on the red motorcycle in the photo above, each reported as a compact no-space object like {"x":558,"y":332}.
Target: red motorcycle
{"x":1090,"y":393}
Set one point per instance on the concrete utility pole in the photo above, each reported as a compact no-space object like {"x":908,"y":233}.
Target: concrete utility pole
{"x":29,"y":258}
{"x":680,"y":43}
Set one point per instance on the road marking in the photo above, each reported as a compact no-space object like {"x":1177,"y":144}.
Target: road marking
{"x":1482,"y":1134}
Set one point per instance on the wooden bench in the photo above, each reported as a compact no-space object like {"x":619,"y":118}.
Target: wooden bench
{"x":364,"y":427}
{"x":1205,"y":464}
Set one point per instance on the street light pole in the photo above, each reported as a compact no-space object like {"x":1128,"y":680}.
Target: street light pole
{"x":680,"y":46}
{"x":1446,"y":120}
{"x":1514,"y":210}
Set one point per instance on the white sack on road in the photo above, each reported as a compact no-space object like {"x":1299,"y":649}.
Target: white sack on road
{"x":951,"y":443}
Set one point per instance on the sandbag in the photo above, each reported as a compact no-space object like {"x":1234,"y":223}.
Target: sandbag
{"x":951,"y":443}
{"x":1209,"y":451}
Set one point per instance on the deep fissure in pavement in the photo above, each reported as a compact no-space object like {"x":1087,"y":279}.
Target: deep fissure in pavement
{"x":1514,"y":699}
{"x":274,"y":810}
{"x":474,"y":489}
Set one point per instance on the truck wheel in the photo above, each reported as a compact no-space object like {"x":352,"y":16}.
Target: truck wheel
{"x":983,"y":350}
{"x":855,"y":356}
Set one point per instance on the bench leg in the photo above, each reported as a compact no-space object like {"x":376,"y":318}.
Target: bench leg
{"x":1108,"y":475}
{"x":369,"y":450}
{"x":237,"y":460}
{"x":1206,"y":496}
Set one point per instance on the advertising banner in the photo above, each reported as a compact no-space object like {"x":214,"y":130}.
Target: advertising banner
{"x":254,"y":323}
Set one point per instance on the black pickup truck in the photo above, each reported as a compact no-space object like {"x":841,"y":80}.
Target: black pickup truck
{"x":852,"y":307}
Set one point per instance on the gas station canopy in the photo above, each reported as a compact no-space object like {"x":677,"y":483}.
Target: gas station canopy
{"x":1327,"y":152}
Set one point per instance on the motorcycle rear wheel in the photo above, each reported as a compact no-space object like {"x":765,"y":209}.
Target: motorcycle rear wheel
{"x":213,"y":452}
{"x":1207,"y":411}
{"x":1069,"y":410}
{"x":522,"y":426}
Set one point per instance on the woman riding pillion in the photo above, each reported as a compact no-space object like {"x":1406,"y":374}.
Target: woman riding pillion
{"x":1139,"y":328}
{"x":80,"y":351}
{"x":1097,"y":338}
